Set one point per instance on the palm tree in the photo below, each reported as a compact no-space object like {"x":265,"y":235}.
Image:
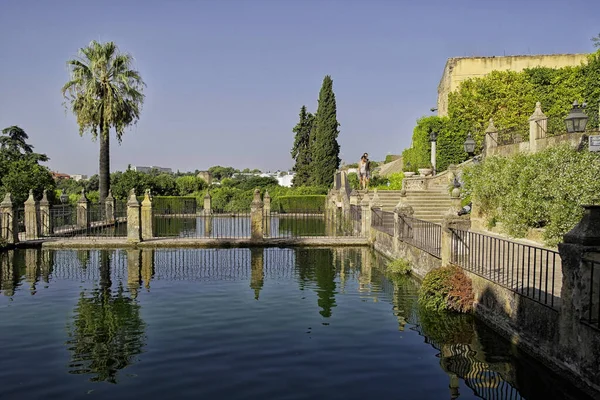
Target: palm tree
{"x":103,"y":92}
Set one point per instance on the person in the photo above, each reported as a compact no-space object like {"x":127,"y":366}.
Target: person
{"x":364,"y":171}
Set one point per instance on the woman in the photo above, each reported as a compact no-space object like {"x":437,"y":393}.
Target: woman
{"x":364,"y":172}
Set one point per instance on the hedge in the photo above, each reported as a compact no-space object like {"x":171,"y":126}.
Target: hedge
{"x":174,"y":204}
{"x":306,"y":203}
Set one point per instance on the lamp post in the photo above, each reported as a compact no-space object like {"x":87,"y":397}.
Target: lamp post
{"x":433,"y":139}
{"x":63,"y":197}
{"x":469,"y":145}
{"x":576,"y":120}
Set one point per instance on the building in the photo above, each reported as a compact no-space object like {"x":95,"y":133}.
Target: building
{"x":206,"y":176}
{"x":59,"y":175}
{"x":458,"y":69}
{"x":147,"y":170}
{"x":78,"y":177}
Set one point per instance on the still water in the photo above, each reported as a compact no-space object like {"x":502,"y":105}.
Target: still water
{"x":242,"y":324}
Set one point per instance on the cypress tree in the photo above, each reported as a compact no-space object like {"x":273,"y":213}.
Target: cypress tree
{"x":301,"y":150}
{"x":325,"y":148}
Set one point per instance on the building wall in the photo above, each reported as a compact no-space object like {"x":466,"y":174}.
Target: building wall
{"x":459,"y":69}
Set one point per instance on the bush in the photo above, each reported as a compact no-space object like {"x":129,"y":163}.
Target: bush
{"x":306,"y":203}
{"x":541,"y":190}
{"x":174,"y":204}
{"x":446,"y":289}
{"x":399,"y":267}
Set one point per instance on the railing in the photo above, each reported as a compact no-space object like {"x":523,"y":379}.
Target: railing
{"x":309,"y":224}
{"x":511,"y":136}
{"x":592,"y":314}
{"x":533,"y":272}
{"x":425,"y":235}
{"x":215,"y":226}
{"x":355,"y":212}
{"x":383,"y":221}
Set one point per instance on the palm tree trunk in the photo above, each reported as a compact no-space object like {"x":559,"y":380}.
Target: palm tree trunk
{"x":104,"y":167}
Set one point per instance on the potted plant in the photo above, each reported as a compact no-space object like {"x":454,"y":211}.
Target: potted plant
{"x":425,"y":168}
{"x":408,"y":170}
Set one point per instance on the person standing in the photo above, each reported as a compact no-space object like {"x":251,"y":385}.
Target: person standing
{"x":364,"y":171}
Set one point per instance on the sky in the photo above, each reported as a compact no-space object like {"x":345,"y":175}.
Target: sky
{"x":226,"y":78}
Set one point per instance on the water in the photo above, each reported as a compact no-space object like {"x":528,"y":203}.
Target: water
{"x":242,"y":324}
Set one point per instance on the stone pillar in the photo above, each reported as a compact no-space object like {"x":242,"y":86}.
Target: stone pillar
{"x":134,"y":233}
{"x":433,"y":157}
{"x":31,"y":220}
{"x":579,"y":292}
{"x":8,"y":214}
{"x":147,"y":219}
{"x":82,"y":211}
{"x":365,"y":206}
{"x":354,"y":197}
{"x":267,"y":212}
{"x":207,"y":204}
{"x":256,"y":217}
{"x":538,"y":126}
{"x":452,"y":221}
{"x":46,"y":228}
{"x":401,"y":228}
{"x":491,"y":139}
{"x":109,"y":207}
{"x":134,"y":269}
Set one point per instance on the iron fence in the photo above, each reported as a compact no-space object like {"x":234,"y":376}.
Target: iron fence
{"x":511,"y":136}
{"x":425,"y":235}
{"x":383,"y":221}
{"x":63,"y":221}
{"x":592,"y":313}
{"x":356,"y":212}
{"x":531,"y":271}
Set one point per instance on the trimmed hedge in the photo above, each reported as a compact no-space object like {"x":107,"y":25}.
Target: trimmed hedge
{"x":306,"y":203}
{"x":174,"y":204}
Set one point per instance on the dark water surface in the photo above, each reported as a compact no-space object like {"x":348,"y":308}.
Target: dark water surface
{"x":241,"y":324}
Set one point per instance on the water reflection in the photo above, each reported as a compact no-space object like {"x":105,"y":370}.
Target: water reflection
{"x":106,"y":332}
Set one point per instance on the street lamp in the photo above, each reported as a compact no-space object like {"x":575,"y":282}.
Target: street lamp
{"x":63,"y":197}
{"x":576,"y":120}
{"x":433,"y":139}
{"x":469,"y":145}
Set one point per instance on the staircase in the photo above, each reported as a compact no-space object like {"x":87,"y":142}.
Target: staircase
{"x":428,"y":205}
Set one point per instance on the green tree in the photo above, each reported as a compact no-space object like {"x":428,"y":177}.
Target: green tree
{"x":104,"y":92}
{"x":219,"y":172}
{"x":301,"y":150}
{"x":189,"y":184}
{"x":325,"y":149}
{"x":13,"y":143}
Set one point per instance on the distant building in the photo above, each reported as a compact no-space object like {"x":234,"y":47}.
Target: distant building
{"x":58,"y":176}
{"x":78,"y":177}
{"x":458,"y":69}
{"x":206,"y":176}
{"x":149,"y":169}
{"x":285,"y":180}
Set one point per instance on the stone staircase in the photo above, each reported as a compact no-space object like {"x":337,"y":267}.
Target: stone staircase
{"x":428,"y":205}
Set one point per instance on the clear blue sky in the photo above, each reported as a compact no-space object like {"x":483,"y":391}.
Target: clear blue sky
{"x":226,"y":79}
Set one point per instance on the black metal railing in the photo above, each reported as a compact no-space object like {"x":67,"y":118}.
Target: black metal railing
{"x":383,"y":221}
{"x":592,"y":313}
{"x":531,"y":271}
{"x":356,"y":212}
{"x":425,"y":235}
{"x":310,"y":224}
{"x":512,"y":136}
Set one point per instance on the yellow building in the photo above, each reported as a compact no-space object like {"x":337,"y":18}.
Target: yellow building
{"x":458,"y":69}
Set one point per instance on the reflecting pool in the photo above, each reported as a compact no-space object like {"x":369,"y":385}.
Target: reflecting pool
{"x":260,"y":323}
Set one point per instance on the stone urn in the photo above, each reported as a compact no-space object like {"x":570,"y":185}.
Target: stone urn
{"x":425,"y":171}
{"x":408,"y":174}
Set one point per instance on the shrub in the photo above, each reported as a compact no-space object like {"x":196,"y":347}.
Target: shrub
{"x":306,"y":203}
{"x":446,"y":288}
{"x":174,"y":204}
{"x":399,"y":267}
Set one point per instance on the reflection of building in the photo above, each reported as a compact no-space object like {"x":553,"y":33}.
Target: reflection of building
{"x":458,"y":69}
{"x":149,"y":169}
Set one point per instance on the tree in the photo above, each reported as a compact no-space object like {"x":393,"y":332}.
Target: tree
{"x":14,"y":145}
{"x":219,"y":172}
{"x":596,"y":41}
{"x":103,"y":92}
{"x":301,"y":150}
{"x":325,"y":149}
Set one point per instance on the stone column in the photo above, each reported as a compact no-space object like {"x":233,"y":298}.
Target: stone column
{"x":46,"y":228}
{"x":207,"y":204}
{"x":401,"y":228}
{"x":147,"y":219}
{"x":491,"y":139}
{"x":10,"y":232}
{"x":365,"y":206}
{"x":109,"y":206}
{"x":256,"y":217}
{"x":31,"y":220}
{"x":452,"y":221}
{"x":579,"y":292}
{"x":433,"y":157}
{"x":538,"y":125}
{"x":377,"y":205}
{"x":134,"y":233}
{"x":267,"y":212}
{"x":82,"y":211}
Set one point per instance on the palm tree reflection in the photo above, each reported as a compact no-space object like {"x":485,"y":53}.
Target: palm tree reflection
{"x":107,"y":331}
